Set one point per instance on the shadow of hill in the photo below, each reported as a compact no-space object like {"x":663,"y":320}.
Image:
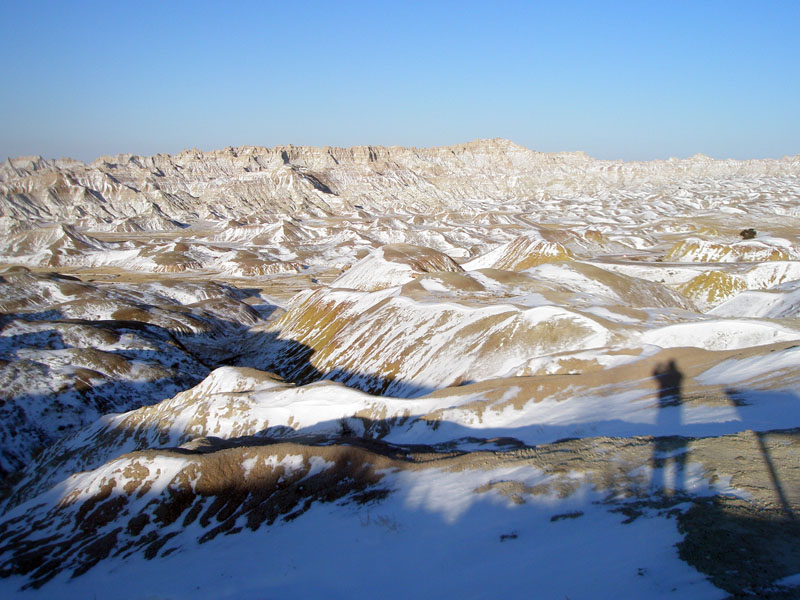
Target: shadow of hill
{"x":292,"y":361}
{"x":57,"y":377}
{"x":30,"y":423}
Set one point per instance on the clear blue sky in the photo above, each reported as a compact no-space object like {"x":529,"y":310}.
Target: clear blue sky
{"x":632,"y":80}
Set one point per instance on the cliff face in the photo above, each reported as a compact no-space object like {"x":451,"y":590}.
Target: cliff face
{"x":254,"y":183}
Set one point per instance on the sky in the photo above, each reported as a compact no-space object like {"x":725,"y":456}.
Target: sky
{"x":636,"y":80}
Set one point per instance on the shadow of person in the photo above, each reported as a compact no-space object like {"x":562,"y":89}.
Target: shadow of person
{"x":669,"y":450}
{"x":669,"y":380}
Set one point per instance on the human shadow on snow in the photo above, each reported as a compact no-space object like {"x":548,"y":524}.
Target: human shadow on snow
{"x":669,"y":451}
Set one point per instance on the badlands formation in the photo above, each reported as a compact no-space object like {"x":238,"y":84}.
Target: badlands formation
{"x":470,"y":371}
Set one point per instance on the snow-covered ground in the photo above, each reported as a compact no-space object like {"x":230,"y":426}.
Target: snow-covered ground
{"x":476,"y":371}
{"x":432,"y":537}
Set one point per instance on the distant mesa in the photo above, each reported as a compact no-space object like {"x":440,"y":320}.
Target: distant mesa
{"x":131,"y":193}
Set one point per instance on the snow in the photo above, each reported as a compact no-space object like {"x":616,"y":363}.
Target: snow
{"x":432,"y":285}
{"x":776,"y":303}
{"x":433,"y":527}
{"x":375,"y":272}
{"x":601,"y":311}
{"x":81,"y":486}
{"x":317,"y":466}
{"x":451,"y":495}
{"x":723,"y":334}
{"x":734,"y":371}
